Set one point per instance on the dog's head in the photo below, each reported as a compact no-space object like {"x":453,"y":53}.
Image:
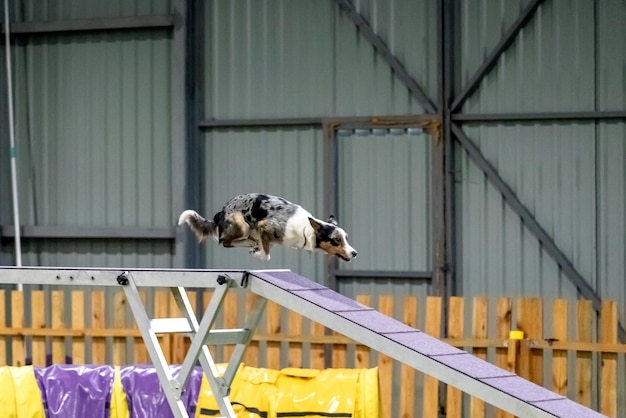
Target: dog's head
{"x":331,"y":239}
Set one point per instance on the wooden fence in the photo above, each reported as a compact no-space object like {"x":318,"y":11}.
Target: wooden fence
{"x":566,"y":347}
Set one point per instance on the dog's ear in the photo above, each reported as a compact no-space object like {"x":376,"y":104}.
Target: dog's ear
{"x":315,"y":224}
{"x":332,"y":220}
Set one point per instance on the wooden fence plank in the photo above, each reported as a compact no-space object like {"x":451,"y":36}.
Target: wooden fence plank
{"x":584,"y":324}
{"x":479,"y":330}
{"x":504,"y":312}
{"x":295,"y":348}
{"x":161,"y":310}
{"x":38,"y":321}
{"x":17,"y":321}
{"x":608,"y":371}
{"x":385,"y":363}
{"x":251,"y":356}
{"x":98,"y":345}
{"x":119,"y":321}
{"x":530,"y":320}
{"x":317,"y":349}
{"x":78,"y":323}
{"x":455,"y":331}
{"x":431,"y":385}
{"x":3,"y":324}
{"x":407,"y":374}
{"x":231,"y":320}
{"x":362,"y":353}
{"x":58,"y":322}
{"x":559,"y":357}
{"x":140,"y":353}
{"x":273,"y":327}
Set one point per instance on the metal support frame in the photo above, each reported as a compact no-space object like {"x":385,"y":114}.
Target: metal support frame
{"x":201,"y":333}
{"x":383,"y":334}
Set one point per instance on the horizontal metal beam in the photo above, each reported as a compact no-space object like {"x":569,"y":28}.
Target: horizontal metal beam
{"x":384,"y":274}
{"x":531,"y":223}
{"x":492,"y":59}
{"x":347,"y":122}
{"x":539,"y":116}
{"x":82,"y":25}
{"x":258,"y":123}
{"x":379,"y":45}
{"x":74,"y":232}
{"x":74,"y":276}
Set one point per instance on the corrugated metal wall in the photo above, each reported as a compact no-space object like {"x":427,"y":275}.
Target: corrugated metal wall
{"x":300,"y":58}
{"x":569,"y":173}
{"x":92,"y":125}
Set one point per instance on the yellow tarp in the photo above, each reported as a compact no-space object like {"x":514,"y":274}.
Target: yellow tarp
{"x":302,"y":392}
{"x":21,"y":397}
{"x":119,"y":405}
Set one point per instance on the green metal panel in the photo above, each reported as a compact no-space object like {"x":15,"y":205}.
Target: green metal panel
{"x":549,"y":67}
{"x":267,"y":59}
{"x":383,"y":194}
{"x":93,"y":123}
{"x":552,"y":170}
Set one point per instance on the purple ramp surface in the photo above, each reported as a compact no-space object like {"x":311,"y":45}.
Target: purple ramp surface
{"x":70,"y":391}
{"x":145,"y":396}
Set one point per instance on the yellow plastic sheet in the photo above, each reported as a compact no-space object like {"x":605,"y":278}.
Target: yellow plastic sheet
{"x":297,"y":392}
{"x":21,"y":397}
{"x":119,"y":406}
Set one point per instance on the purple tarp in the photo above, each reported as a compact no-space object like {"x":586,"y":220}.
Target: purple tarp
{"x":71,"y":391}
{"x":75,"y":391}
{"x":146,"y":398}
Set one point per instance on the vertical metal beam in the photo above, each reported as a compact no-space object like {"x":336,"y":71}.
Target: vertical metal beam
{"x":491,"y":60}
{"x":448,"y":41}
{"x":398,"y":68}
{"x":437,"y":172}
{"x":179,"y":119}
{"x":186,"y":166}
{"x":330,"y":181}
{"x":531,"y":223}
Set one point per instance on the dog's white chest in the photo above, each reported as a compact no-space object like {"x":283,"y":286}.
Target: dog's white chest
{"x":298,"y":231}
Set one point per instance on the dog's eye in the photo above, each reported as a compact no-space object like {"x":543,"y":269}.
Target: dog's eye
{"x":335,"y":242}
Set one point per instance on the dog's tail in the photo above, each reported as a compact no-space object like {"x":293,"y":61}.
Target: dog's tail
{"x":201,"y":227}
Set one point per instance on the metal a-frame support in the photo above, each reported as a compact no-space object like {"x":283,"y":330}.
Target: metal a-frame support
{"x":201,"y":334}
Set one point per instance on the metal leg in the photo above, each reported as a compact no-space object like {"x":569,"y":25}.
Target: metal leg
{"x":170,"y":386}
{"x":199,"y":351}
{"x":201,"y":334}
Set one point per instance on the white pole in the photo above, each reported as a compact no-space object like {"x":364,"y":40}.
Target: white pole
{"x":13,"y":153}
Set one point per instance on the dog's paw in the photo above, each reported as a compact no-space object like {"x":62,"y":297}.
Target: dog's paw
{"x":256,"y":252}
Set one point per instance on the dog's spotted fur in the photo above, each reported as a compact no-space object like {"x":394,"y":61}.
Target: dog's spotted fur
{"x":258,"y":220}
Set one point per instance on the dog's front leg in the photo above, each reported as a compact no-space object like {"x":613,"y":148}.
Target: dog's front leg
{"x":262,"y":251}
{"x":260,"y":254}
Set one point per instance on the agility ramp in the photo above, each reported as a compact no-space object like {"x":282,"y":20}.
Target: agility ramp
{"x":426,"y":354}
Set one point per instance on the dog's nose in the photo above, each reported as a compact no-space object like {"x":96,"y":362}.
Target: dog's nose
{"x":354,"y":254}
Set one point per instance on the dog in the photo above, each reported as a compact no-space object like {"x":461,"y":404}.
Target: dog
{"x":258,"y":221}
